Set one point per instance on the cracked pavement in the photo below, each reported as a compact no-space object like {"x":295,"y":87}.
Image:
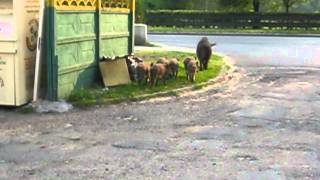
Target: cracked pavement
{"x":264,"y":123}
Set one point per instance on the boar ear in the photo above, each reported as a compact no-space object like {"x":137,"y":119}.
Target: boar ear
{"x":151,"y":64}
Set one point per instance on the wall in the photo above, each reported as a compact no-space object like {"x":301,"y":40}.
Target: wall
{"x":79,"y":33}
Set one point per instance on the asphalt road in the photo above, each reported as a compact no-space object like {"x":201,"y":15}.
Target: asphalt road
{"x":255,"y":50}
{"x":262,"y":123}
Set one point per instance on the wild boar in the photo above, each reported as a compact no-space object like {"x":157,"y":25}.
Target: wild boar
{"x":192,"y":70}
{"x":204,"y":52}
{"x":174,"y":67}
{"x":142,"y":73}
{"x":138,"y":59}
{"x":163,"y":60}
{"x":186,"y":62}
{"x":158,"y":72}
{"x":132,"y":63}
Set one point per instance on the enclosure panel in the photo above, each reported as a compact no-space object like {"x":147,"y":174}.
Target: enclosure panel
{"x":114,"y":32}
{"x":71,"y":81}
{"x":75,"y":51}
{"x":114,"y":23}
{"x":79,"y":33}
{"x":73,"y":25}
{"x":114,"y":46}
{"x":75,"y":54}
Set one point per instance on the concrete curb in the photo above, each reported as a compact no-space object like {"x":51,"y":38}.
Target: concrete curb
{"x":236,"y":34}
{"x":164,"y":47}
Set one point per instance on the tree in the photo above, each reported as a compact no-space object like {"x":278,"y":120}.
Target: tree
{"x":234,"y":5}
{"x":177,"y":4}
{"x":256,"y":5}
{"x":289,"y":3}
{"x":140,"y":11}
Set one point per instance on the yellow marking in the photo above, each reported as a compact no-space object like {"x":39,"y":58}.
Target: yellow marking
{"x":123,"y":6}
{"x":116,"y":10}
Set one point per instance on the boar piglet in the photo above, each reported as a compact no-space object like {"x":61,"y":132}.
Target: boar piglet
{"x":158,"y":72}
{"x":192,"y":70}
{"x":142,"y":73}
{"x":174,"y":67}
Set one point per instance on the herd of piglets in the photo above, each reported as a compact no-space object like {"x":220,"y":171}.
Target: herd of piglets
{"x":162,"y":70}
{"x":165,"y":69}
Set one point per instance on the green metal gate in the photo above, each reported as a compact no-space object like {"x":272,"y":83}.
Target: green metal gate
{"x":78,"y":33}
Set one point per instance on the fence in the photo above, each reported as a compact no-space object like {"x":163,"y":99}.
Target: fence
{"x":232,"y":20}
{"x":78,"y":33}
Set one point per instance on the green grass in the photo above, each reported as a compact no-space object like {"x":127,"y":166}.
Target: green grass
{"x":87,"y":97}
{"x":213,"y":30}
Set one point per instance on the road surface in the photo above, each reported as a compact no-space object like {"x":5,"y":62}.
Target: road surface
{"x":254,"y":50}
{"x":264,"y":123}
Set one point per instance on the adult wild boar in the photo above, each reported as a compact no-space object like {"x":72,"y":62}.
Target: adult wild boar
{"x":204,"y":52}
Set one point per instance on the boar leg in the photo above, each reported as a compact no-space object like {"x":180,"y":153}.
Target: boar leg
{"x":201,"y":65}
{"x":206,"y":65}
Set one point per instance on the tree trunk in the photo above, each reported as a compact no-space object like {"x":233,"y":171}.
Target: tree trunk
{"x":206,"y":4}
{"x":256,"y":6}
{"x":286,"y":4}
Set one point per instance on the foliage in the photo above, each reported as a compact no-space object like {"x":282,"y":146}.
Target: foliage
{"x":221,"y":31}
{"x":256,"y":5}
{"x":289,"y":3}
{"x":243,"y":20}
{"x":234,"y":5}
{"x":145,"y":5}
{"x":305,"y":6}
